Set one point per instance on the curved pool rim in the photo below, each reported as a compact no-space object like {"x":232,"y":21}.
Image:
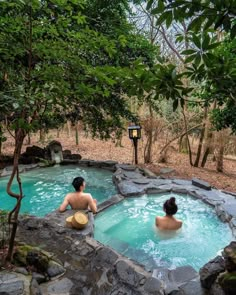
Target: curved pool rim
{"x":131,"y":181}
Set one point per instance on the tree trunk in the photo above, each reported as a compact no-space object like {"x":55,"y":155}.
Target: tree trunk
{"x":29,"y":139}
{"x":20,"y":135}
{"x":204,"y":158}
{"x":41,"y":135}
{"x":189,"y":147}
{"x":219,"y":164}
{"x":208,"y":149}
{"x":76,"y":134}
{"x":199,"y":150}
{"x":1,"y":134}
{"x":68,"y":128}
{"x":183,"y":144}
{"x":178,"y":136}
{"x":149,"y":144}
{"x":58,"y":132}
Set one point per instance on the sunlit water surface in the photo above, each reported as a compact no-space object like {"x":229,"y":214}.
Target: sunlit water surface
{"x":44,"y":189}
{"x":129,"y":228}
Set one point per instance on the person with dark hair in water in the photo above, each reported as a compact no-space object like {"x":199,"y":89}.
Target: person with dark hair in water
{"x":169,"y":222}
{"x":79,"y":200}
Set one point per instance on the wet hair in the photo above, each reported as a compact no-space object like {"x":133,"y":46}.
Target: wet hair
{"x":77,"y":183}
{"x":170,"y":207}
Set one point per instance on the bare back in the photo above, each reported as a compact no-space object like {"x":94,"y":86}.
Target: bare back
{"x":168,"y":223}
{"x":80,"y":201}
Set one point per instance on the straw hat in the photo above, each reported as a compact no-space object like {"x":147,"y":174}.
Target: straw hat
{"x":79,"y":220}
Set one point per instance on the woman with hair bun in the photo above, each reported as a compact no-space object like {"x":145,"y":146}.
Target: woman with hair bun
{"x":169,"y":222}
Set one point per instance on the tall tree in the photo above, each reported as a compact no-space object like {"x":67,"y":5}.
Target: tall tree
{"x":52,"y":62}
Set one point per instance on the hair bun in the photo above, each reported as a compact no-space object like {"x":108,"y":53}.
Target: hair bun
{"x":172,"y":200}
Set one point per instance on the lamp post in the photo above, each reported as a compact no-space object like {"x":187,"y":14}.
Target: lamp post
{"x":135,"y":134}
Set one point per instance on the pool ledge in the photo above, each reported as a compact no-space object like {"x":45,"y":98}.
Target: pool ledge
{"x":92,"y":268}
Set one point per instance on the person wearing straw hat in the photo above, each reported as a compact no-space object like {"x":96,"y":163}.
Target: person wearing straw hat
{"x":78,"y":199}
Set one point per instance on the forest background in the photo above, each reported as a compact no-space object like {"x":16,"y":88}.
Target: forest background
{"x":99,"y":66}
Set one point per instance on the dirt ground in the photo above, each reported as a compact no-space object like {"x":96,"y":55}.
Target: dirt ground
{"x":107,"y":150}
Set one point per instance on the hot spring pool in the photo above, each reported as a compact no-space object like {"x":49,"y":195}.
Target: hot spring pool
{"x":45,"y":188}
{"x":129,"y":228}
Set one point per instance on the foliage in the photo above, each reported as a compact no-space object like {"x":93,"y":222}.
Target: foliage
{"x":210,"y":58}
{"x":152,"y":84}
{"x":199,"y":13}
{"x":59,"y":62}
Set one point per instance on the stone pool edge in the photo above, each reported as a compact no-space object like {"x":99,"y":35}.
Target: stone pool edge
{"x":128,"y":275}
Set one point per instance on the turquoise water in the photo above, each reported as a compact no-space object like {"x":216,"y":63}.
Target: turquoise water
{"x":129,"y":228}
{"x":44,"y":189}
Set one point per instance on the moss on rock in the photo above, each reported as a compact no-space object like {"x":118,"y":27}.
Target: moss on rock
{"x":227,"y":281}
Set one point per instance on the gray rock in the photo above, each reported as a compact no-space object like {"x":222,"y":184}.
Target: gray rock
{"x":113,"y":200}
{"x":182,"y":274}
{"x":96,"y":164}
{"x":141,"y":181}
{"x":128,"y":188}
{"x":149,"y":173}
{"x":34,"y":288}
{"x":210,"y":271}
{"x":55,"y":269}
{"x":39,"y":277}
{"x":4,"y":277}
{"x":212,"y":196}
{"x":133,"y":174}
{"x":83,"y":162}
{"x":232,"y":224}
{"x":106,"y":257}
{"x":12,"y":288}
{"x":57,"y":287}
{"x":230,"y":209}
{"x":202,"y":184}
{"x":216,"y":289}
{"x":166,"y":170}
{"x":21,"y":270}
{"x":192,"y":288}
{"x":162,"y":273}
{"x":128,"y":274}
{"x":153,"y":286}
{"x":181,"y":182}
{"x":126,"y":167}
{"x":108,"y":163}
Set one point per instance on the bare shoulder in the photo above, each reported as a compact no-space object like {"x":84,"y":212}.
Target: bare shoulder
{"x":159,"y":218}
{"x":68,"y":196}
{"x":87,"y":195}
{"x":180,"y":223}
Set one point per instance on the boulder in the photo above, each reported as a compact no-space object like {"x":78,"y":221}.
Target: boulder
{"x":229,"y":254}
{"x":210,"y":271}
{"x":34,"y":151}
{"x":202,"y":184}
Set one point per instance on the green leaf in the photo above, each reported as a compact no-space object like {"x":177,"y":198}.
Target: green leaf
{"x":188,"y":51}
{"x":195,"y":24}
{"x":206,"y":41}
{"x":196,"y":40}
{"x":169,"y":19}
{"x":163,"y":17}
{"x":190,"y":58}
{"x":233,"y":32}
{"x":159,"y":9}
{"x":175,"y":104}
{"x":213,"y":45}
{"x":149,"y":4}
{"x":197,"y":60}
